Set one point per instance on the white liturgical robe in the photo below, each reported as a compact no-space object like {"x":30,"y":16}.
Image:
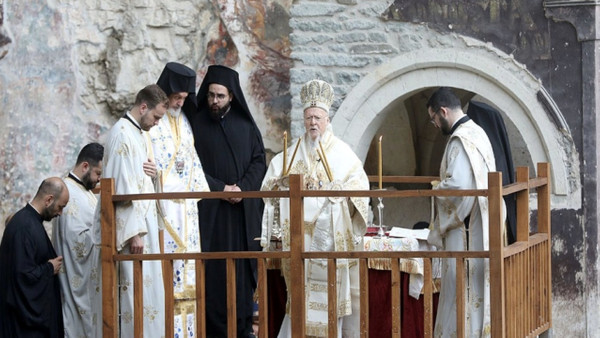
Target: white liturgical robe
{"x":467,"y":160}
{"x":180,"y":171}
{"x":330,"y":224}
{"x":79,"y":277}
{"x":125,"y":152}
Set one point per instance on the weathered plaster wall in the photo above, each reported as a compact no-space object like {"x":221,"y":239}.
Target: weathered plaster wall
{"x":69,"y":69}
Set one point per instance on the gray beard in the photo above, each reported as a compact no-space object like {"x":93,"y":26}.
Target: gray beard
{"x":175,"y":112}
{"x":314,"y":144}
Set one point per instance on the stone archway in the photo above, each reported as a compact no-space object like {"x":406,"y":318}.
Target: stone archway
{"x":486,"y":73}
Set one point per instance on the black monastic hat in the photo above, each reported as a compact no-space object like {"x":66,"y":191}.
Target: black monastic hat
{"x":177,"y":78}
{"x":229,"y":78}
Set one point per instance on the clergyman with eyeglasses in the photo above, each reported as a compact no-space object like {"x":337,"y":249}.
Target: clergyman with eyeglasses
{"x":232,"y":153}
{"x":462,"y":222}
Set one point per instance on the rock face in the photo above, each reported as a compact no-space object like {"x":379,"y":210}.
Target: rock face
{"x":69,"y":69}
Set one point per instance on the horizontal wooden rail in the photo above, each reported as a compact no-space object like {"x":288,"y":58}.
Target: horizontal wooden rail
{"x":518,"y":247}
{"x":404,"y":179}
{"x":305,"y":255}
{"x":304,"y":194}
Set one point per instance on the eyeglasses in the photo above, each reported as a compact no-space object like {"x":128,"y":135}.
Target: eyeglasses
{"x":432,"y":117}
{"x":219,"y":97}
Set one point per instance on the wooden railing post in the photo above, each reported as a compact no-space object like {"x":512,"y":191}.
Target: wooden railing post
{"x":231,"y":298}
{"x":200,"y":298}
{"x":544,"y":226}
{"x":544,"y":199}
{"x":496,"y":248}
{"x":109,"y":276}
{"x":522,"y":206}
{"x":296,"y":286}
{"x":263,"y":309}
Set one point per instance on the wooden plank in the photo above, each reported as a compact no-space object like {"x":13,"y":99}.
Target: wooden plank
{"x":396,"y":308}
{"x":313,"y":254}
{"x":138,"y":299}
{"x":169,"y":298}
{"x":529,"y":288}
{"x":231,"y":299}
{"x":263,"y":309}
{"x":109,"y":266}
{"x":198,"y":195}
{"x":200,"y":298}
{"x":364,"y":297}
{"x":460,"y":298}
{"x":521,"y":310}
{"x":544,"y":226}
{"x":332,"y":298}
{"x":514,"y":187}
{"x":539,"y":181}
{"x":427,"y":299}
{"x":496,"y":262}
{"x":396,"y":254}
{"x":522,"y":201}
{"x":404,"y":179}
{"x":510,"y":295}
{"x":296,"y":263}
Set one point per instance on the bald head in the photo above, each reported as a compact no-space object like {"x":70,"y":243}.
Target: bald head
{"x":52,"y":196}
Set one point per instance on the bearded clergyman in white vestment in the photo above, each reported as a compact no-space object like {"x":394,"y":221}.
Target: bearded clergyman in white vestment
{"x":127,"y":161}
{"x":72,"y":238}
{"x":462,"y":223}
{"x":180,"y":170}
{"x":330,"y":223}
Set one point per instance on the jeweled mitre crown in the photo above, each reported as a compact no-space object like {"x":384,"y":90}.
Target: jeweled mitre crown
{"x":316,"y":93}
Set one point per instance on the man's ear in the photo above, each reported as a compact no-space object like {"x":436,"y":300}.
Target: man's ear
{"x":143,"y":108}
{"x":85,"y":166}
{"x":444,"y":112}
{"x":48,"y":200}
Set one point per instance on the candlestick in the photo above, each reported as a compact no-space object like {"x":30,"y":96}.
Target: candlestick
{"x":326,"y":163}
{"x":293,"y":156}
{"x":380,"y":162}
{"x":285,"y":146}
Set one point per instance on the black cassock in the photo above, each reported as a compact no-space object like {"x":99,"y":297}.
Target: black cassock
{"x":30,"y":304}
{"x":231,"y":152}
{"x":490,"y":120}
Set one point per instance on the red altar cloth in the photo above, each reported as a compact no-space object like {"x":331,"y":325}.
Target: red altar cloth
{"x":380,"y":305}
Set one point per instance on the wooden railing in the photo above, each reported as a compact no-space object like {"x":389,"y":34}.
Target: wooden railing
{"x":520,"y":274}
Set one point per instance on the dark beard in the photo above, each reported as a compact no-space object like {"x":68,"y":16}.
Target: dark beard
{"x":87,"y":183}
{"x":445,"y":127}
{"x":219,"y":113}
{"x":46,"y":216}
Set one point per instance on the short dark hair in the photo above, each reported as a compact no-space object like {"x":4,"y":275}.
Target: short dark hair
{"x":443,"y":97}
{"x":91,"y":153}
{"x":152,"y":95}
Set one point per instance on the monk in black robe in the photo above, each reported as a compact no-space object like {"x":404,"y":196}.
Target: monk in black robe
{"x":232,"y":153}
{"x":30,"y":304}
{"x":490,"y":120}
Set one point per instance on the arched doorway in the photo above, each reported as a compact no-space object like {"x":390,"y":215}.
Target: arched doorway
{"x":390,"y":101}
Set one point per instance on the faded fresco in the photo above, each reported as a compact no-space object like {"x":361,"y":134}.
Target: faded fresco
{"x":69,"y":69}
